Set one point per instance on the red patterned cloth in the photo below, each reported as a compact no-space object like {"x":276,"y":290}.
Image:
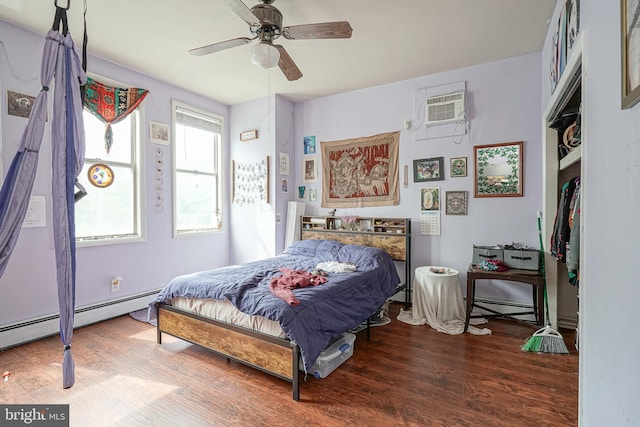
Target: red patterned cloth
{"x":493,"y":265}
{"x":281,"y":286}
{"x":111,"y":104}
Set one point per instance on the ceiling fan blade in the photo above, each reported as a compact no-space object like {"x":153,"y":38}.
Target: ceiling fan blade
{"x":242,"y":11}
{"x":325,"y":30}
{"x":286,"y":64}
{"x":217,"y":47}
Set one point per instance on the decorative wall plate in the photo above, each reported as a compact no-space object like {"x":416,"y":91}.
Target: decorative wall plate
{"x":100,"y":175}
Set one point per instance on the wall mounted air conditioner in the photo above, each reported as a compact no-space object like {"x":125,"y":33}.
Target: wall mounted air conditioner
{"x":443,"y":109}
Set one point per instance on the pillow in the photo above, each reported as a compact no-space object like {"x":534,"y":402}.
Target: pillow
{"x":323,"y":250}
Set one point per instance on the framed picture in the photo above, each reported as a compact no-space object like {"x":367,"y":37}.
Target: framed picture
{"x":284,"y":164}
{"x":19,"y":104}
{"x":458,"y":167}
{"x":456,"y":202}
{"x":313,"y":194}
{"x":630,"y":42}
{"x":159,"y":133}
{"x":430,"y":199}
{"x":309,"y":145}
{"x":284,"y":185}
{"x":428,"y":169}
{"x":248,"y":135}
{"x":498,"y":170}
{"x":310,"y":171}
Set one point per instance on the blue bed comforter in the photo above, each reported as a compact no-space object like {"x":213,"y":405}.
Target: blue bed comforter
{"x":325,"y":311}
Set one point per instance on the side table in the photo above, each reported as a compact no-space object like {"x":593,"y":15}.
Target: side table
{"x":523,"y":276}
{"x":437,"y":297}
{"x":437,"y":302}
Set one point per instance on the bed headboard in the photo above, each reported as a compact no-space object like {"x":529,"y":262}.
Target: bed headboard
{"x":392,"y":235}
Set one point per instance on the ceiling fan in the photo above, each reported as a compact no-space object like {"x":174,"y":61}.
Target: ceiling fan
{"x":265,"y":24}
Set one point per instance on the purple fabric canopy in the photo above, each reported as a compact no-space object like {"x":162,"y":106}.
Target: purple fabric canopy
{"x":62,"y":62}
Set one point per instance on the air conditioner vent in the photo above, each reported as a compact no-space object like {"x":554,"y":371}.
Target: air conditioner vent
{"x":443,"y":109}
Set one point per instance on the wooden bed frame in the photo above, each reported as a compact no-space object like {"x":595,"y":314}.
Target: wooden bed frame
{"x":276,"y":356}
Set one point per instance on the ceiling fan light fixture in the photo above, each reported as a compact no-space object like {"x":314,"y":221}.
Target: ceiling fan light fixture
{"x":265,"y":55}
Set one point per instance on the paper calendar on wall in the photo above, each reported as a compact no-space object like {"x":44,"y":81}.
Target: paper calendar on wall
{"x":430,"y":211}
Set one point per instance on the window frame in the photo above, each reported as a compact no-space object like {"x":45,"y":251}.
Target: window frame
{"x":139,"y":200}
{"x":217,"y":164}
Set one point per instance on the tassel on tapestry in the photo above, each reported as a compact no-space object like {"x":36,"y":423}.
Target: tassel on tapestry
{"x":111,"y":104}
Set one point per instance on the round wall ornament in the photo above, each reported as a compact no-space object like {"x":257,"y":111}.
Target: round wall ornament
{"x":100,"y":175}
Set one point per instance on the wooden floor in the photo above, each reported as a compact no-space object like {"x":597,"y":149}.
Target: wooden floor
{"x":405,"y":376}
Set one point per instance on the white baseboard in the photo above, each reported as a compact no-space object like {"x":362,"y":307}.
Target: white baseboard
{"x":34,"y":329}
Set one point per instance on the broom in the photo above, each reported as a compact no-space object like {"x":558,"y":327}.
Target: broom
{"x":547,"y":339}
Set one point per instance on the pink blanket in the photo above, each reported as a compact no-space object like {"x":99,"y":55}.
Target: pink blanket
{"x":282,"y":285}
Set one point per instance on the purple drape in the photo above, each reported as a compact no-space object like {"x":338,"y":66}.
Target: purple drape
{"x":60,"y":61}
{"x":67,"y":141}
{"x":16,"y":189}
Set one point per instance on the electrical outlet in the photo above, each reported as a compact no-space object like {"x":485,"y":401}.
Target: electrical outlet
{"x":115,"y":284}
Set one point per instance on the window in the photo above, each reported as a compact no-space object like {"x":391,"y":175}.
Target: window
{"x":111,"y":214}
{"x":196,"y":178}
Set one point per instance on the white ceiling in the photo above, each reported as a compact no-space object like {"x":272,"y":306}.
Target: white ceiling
{"x":392,"y":40}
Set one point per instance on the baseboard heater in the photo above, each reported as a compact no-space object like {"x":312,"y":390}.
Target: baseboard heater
{"x":506,"y":307}
{"x":34,"y":329}
{"x":564,"y":322}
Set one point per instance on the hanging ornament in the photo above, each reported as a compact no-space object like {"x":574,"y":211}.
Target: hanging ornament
{"x":100,"y":175}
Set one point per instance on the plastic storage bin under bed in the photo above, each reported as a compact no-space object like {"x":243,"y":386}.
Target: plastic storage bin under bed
{"x":333,"y":356}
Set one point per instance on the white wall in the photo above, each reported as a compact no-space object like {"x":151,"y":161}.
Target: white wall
{"x":285,"y":143}
{"x":258,"y":230}
{"x":253,"y":226}
{"x":28,"y":286}
{"x":609,"y":370}
{"x":504,"y":106}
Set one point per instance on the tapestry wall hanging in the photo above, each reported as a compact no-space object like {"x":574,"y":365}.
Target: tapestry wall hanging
{"x":250,"y":182}
{"x":111,"y":104}
{"x":360,"y":172}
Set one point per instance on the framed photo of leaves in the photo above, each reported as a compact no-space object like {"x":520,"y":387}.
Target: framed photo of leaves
{"x":458,"y":167}
{"x":499,"y":170}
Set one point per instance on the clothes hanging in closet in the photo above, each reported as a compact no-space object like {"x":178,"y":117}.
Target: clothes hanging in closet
{"x":573,"y":249}
{"x":565,"y":239}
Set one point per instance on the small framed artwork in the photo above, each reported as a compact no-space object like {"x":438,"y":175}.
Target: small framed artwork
{"x":430,"y":198}
{"x":458,"y":167}
{"x":248,"y":135}
{"x":302,"y":191}
{"x":313,"y":194}
{"x":310,"y":172}
{"x":309,"y":145}
{"x":19,"y":104}
{"x":498,"y":170}
{"x":284,"y":185}
{"x":284,"y":164}
{"x":630,"y":42}
{"x":428,"y":169}
{"x":159,"y":133}
{"x":456,"y":202}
